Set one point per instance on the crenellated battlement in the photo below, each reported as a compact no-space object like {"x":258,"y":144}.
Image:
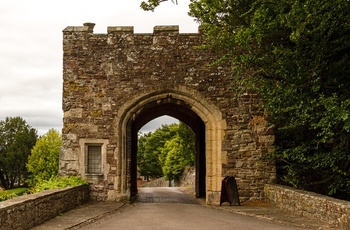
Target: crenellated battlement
{"x":88,"y":27}
{"x":122,"y":42}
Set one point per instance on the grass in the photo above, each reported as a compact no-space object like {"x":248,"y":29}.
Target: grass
{"x":17,"y":191}
{"x":11,"y":193}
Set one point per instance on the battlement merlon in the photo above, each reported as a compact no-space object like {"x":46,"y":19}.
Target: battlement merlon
{"x":89,"y":28}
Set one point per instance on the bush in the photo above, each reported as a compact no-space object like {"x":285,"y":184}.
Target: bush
{"x":44,"y":158}
{"x":57,"y":182}
{"x":6,"y":196}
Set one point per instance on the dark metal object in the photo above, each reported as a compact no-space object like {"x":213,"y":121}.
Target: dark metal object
{"x":229,"y":191}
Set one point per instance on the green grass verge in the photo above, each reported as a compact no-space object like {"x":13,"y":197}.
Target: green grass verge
{"x":11,"y":193}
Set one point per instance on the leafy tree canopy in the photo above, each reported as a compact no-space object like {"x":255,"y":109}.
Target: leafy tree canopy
{"x":16,"y":140}
{"x":152,"y":4}
{"x":296,"y":55}
{"x":149,"y":157}
{"x":166,"y":152}
{"x":148,"y":160}
{"x":44,"y":158}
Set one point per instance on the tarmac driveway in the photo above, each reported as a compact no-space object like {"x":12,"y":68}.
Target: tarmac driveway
{"x":180,"y":216}
{"x":158,"y":209}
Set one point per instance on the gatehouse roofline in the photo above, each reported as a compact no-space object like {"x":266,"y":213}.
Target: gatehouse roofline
{"x":88,"y":27}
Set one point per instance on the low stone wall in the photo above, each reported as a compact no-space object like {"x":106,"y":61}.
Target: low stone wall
{"x":159,"y":182}
{"x":312,"y":205}
{"x":187,"y":179}
{"x":27,"y":211}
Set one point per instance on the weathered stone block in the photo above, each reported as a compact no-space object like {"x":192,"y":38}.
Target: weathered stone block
{"x":311,"y":205}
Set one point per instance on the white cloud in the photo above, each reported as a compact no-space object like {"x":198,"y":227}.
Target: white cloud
{"x":31,"y":48}
{"x":156,"y":123}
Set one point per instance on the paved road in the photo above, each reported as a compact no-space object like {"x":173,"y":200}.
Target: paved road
{"x":157,"y":210}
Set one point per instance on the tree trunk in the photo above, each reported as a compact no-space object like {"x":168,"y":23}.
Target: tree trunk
{"x":7,"y":179}
{"x":3,"y":181}
{"x":19,"y":180}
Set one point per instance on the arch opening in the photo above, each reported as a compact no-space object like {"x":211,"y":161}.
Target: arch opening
{"x":183,"y":113}
{"x":191,"y":108}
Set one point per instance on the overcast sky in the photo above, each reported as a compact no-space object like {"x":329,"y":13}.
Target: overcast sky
{"x":31,"y":48}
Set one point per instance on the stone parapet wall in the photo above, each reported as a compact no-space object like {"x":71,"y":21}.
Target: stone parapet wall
{"x":311,"y":205}
{"x":27,"y":211}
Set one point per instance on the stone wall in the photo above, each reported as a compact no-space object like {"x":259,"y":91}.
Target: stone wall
{"x":159,"y":182}
{"x":187,"y":179}
{"x":311,"y":205}
{"x":27,"y":211}
{"x":113,"y":83}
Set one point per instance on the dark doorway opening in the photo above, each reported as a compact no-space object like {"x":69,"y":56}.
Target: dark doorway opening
{"x":181,"y":111}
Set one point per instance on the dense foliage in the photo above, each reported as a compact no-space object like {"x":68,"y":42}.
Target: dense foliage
{"x":20,"y":150}
{"x":57,"y":182}
{"x":166,"y":151}
{"x":296,"y":54}
{"x":16,"y":140}
{"x":43,"y":161}
{"x":179,"y":152}
{"x":149,"y":155}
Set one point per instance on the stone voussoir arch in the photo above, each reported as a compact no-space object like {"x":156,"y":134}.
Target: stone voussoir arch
{"x":209,"y":114}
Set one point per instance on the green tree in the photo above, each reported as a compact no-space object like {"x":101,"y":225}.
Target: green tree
{"x":161,"y":136}
{"x":171,"y":147}
{"x":149,"y":156}
{"x":16,"y":140}
{"x":174,"y":161}
{"x":179,"y":152}
{"x":148,"y":160}
{"x":43,"y":161}
{"x":188,"y":137}
{"x":296,"y":55}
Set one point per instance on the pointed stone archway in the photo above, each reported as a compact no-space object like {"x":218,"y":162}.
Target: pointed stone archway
{"x":205,"y":120}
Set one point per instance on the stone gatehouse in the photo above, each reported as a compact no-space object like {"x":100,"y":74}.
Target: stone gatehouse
{"x":115,"y":83}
